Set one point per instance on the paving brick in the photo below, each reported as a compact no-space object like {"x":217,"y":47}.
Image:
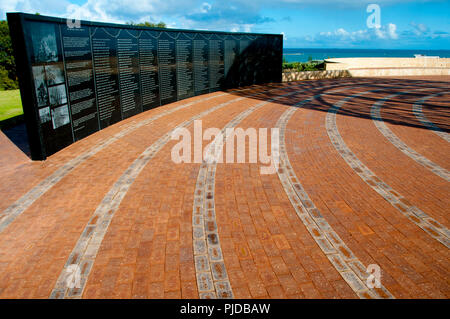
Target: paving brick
{"x":309,"y":231}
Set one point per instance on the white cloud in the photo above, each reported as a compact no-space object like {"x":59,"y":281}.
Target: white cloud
{"x":196,"y":14}
{"x":342,"y":32}
{"x":235,"y":15}
{"x":346,"y":39}
{"x":380,"y":33}
{"x":56,"y":7}
{"x":419,"y":28}
{"x":386,"y":32}
{"x":392,"y":28}
{"x":105,"y":10}
{"x":346,"y":3}
{"x":247,"y":27}
{"x":241,"y":28}
{"x":8,"y":6}
{"x":205,"y":7}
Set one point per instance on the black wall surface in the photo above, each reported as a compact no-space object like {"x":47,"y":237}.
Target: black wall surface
{"x":78,"y":78}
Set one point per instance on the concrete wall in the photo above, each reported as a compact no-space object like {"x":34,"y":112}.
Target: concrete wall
{"x":399,"y":72}
{"x":368,"y":63}
{"x":314,"y":75}
{"x":374,"y":67}
{"x":359,"y":67}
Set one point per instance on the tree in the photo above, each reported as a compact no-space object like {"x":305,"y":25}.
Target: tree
{"x":148,"y":24}
{"x":8,"y":75}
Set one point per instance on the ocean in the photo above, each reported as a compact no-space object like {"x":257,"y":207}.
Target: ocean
{"x":302,"y":55}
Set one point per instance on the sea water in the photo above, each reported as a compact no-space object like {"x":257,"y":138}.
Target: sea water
{"x":303,"y":55}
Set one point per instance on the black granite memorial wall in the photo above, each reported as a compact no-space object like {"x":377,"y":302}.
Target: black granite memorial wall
{"x":78,"y":77}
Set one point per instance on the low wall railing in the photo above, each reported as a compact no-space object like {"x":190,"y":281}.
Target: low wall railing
{"x":314,"y":75}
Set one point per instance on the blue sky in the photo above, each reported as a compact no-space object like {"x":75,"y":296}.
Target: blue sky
{"x":422,"y":24}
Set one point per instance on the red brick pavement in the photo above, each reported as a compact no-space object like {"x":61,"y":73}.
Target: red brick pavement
{"x":268,"y":252}
{"x":421,"y":139}
{"x":11,"y":155}
{"x":436,"y":111}
{"x":369,"y":225}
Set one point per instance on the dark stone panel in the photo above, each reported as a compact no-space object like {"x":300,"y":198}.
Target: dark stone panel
{"x":104,"y":50}
{"x":231,"y":63}
{"x":77,"y":52}
{"x":128,"y":64}
{"x":50,"y":85}
{"x":216,"y":63}
{"x":76,"y":79}
{"x":201,"y":64}
{"x":167,"y":68}
{"x":185,"y":72}
{"x":148,"y":60}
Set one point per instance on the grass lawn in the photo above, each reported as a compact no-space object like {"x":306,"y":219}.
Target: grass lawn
{"x":10,"y":104}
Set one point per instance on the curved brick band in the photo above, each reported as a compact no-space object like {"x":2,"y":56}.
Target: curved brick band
{"x":417,"y":110}
{"x":18,"y":207}
{"x":85,"y":251}
{"x":121,"y":252}
{"x":398,"y":143}
{"x":417,"y":216}
{"x":212,"y":278}
{"x":341,"y":257}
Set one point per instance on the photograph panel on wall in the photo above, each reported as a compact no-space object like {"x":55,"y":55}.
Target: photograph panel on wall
{"x":44,"y":115}
{"x":44,"y":41}
{"x":60,"y":116}
{"x":40,"y":85}
{"x":57,"y":94}
{"x":54,"y":73}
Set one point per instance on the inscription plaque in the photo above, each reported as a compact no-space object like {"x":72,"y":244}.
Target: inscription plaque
{"x":76,"y":79}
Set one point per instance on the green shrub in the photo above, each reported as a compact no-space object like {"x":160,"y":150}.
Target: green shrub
{"x":303,"y":66}
{"x":8,"y":75}
{"x":148,"y":24}
{"x":5,"y":82}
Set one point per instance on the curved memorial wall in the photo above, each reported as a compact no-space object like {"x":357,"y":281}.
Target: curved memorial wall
{"x":78,"y":77}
